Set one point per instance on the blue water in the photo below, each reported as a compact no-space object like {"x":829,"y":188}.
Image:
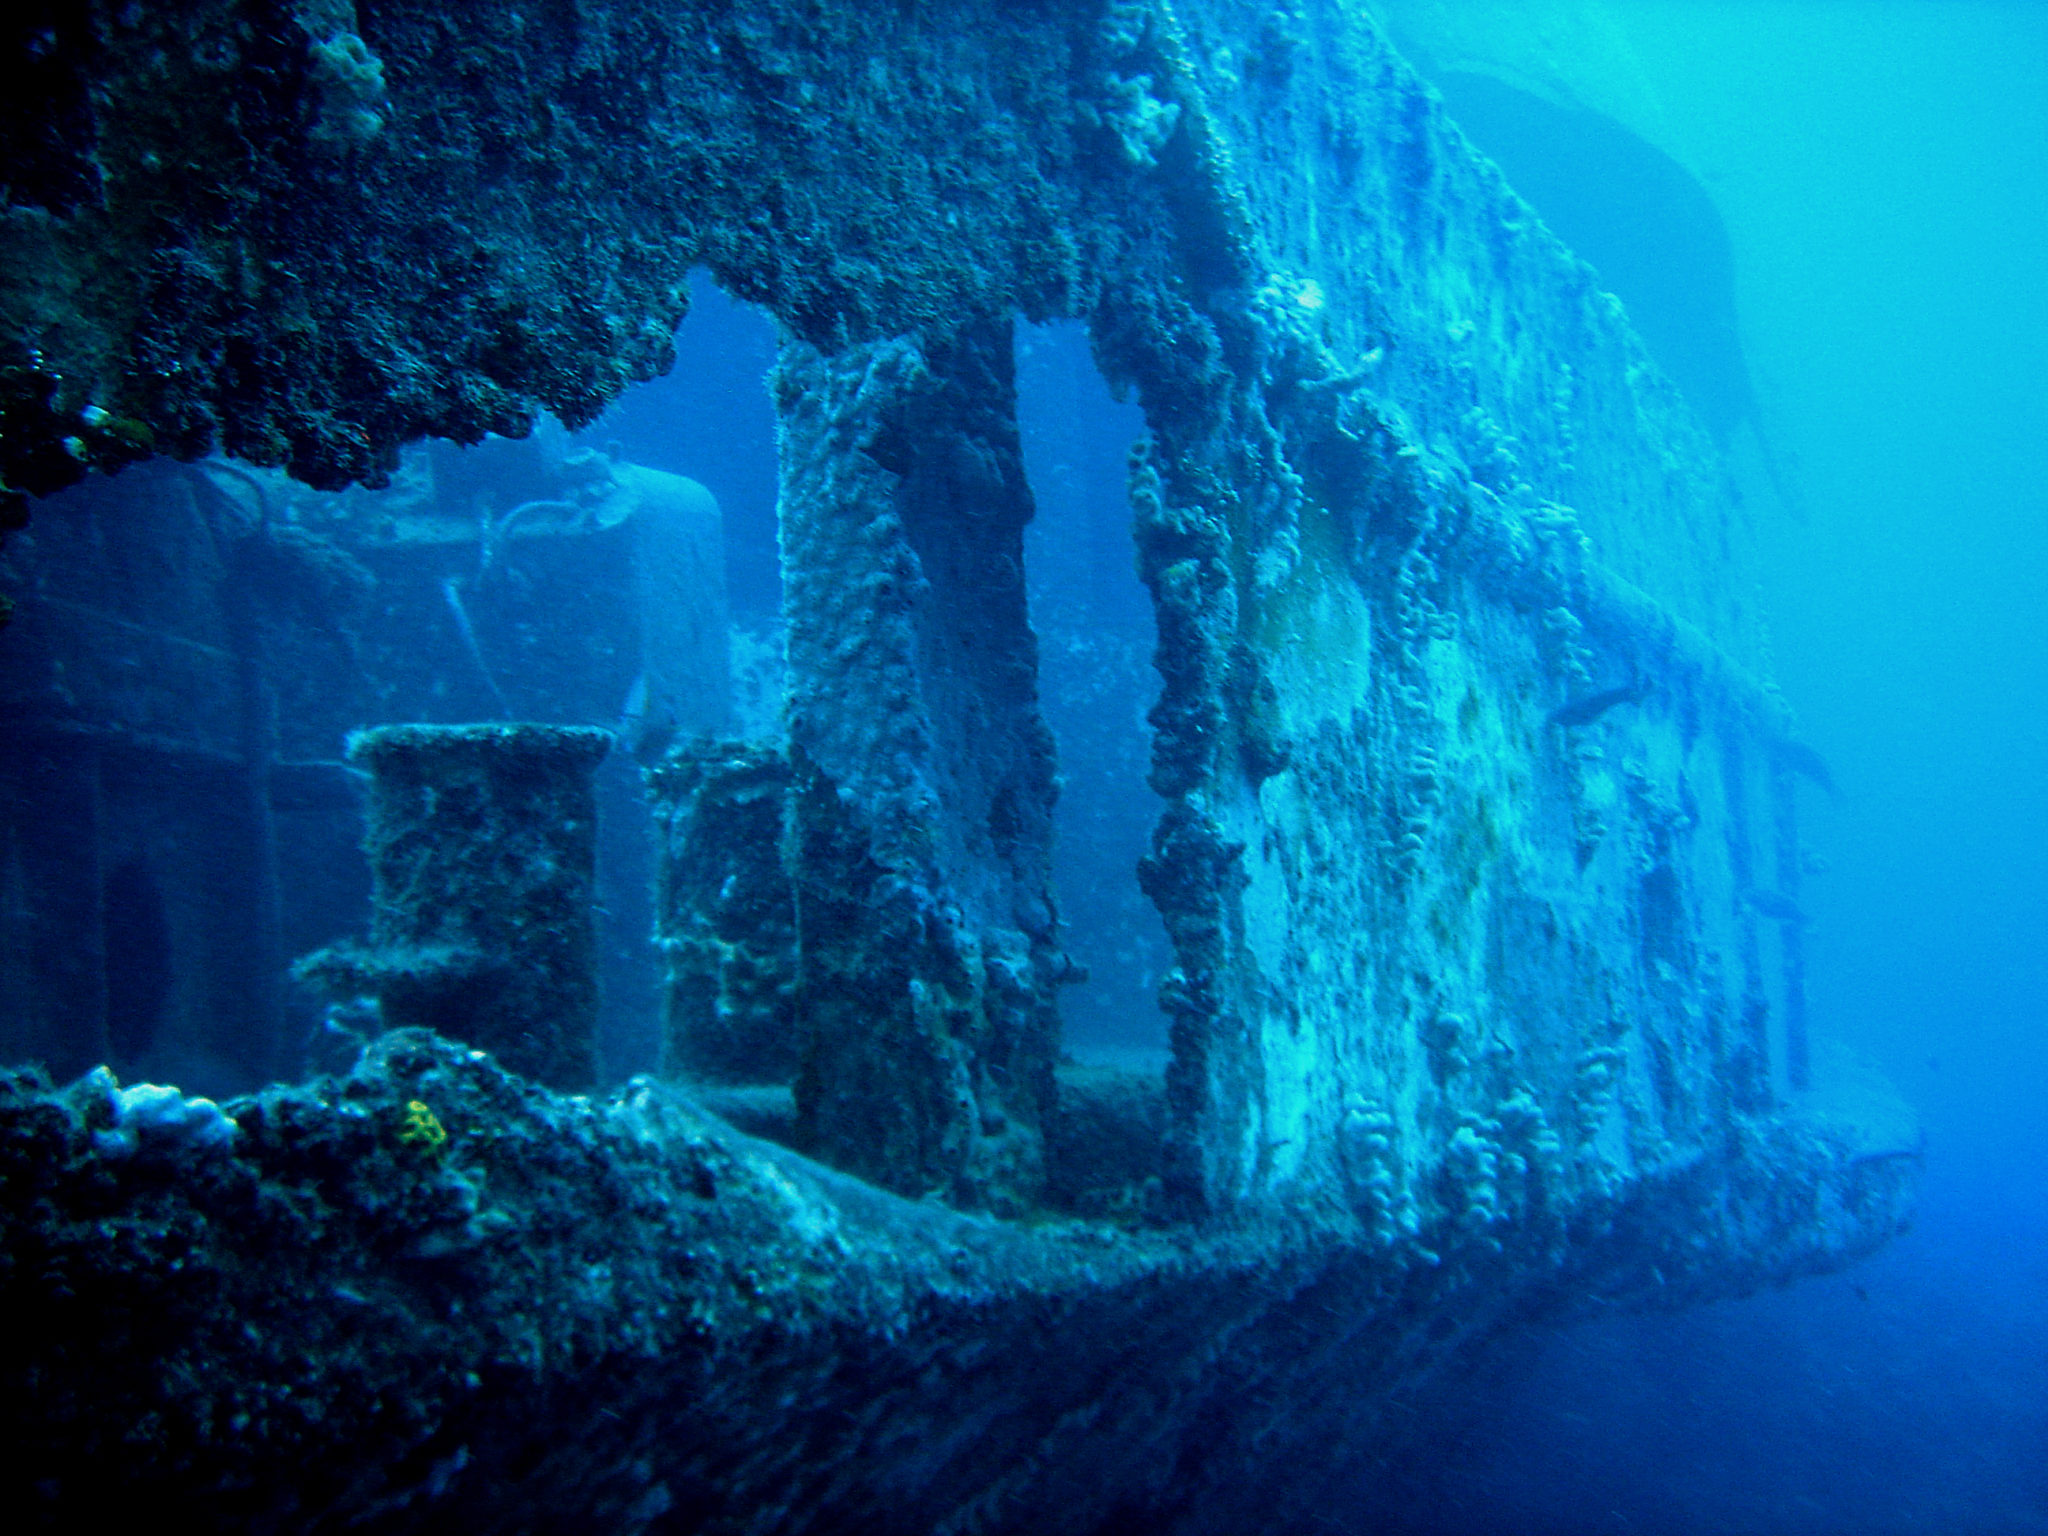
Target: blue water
{"x":1882,"y":171}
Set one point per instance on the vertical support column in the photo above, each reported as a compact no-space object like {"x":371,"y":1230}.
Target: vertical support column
{"x":724,"y":916}
{"x":1194,"y":872}
{"x":482,"y":849}
{"x":922,"y":772}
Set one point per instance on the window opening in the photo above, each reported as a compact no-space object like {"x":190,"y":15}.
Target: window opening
{"x":1096,"y":637}
{"x":220,"y":617}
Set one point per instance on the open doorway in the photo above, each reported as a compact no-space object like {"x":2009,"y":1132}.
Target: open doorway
{"x":1096,"y":637}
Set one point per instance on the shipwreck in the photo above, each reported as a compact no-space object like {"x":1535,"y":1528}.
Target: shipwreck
{"x":1479,"y":853}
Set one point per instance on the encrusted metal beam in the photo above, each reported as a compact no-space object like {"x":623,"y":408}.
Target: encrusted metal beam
{"x":921,"y":808}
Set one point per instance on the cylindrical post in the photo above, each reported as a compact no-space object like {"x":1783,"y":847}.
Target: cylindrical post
{"x":725,"y":914}
{"x":482,"y":849}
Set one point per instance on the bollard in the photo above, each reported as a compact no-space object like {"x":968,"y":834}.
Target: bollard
{"x":725,"y":916}
{"x":481,"y":841}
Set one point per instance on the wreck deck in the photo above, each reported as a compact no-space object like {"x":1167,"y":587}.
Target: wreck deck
{"x":1480,"y":855}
